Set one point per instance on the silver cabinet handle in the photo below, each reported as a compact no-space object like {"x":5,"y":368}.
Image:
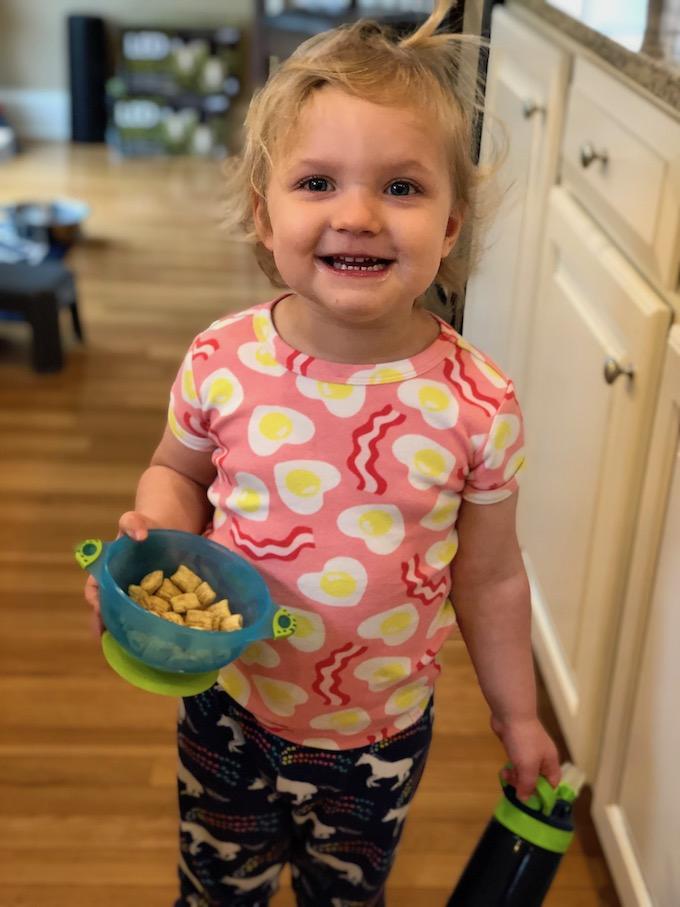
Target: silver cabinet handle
{"x":529,"y":108}
{"x":612,"y":370}
{"x":590,"y":154}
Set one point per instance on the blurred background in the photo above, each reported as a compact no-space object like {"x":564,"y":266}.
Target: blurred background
{"x":115,"y":118}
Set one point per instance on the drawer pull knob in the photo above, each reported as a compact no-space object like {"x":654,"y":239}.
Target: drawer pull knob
{"x":589,"y":154}
{"x":529,"y":108}
{"x":612,"y":370}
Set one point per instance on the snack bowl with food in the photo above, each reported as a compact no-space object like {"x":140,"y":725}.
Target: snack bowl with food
{"x":146,"y":588}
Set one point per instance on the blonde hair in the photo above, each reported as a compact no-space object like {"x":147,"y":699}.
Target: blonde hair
{"x":436,"y":72}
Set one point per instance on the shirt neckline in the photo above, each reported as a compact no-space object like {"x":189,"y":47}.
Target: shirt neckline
{"x":351,"y":372}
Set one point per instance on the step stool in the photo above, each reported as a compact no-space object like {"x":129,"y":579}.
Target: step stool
{"x":35,"y":293}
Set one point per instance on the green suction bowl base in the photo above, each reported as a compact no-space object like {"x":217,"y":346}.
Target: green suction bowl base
{"x":140,"y":675}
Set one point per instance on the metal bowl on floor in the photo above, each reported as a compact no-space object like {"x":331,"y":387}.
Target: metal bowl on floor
{"x":56,"y":223}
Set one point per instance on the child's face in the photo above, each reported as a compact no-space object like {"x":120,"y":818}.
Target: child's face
{"x":365,"y":181}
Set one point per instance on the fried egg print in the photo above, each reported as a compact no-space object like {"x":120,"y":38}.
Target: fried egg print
{"x":379,"y":526}
{"x":386,"y":373}
{"x":321,"y":743}
{"x":272,"y":426}
{"x":302,"y":484}
{"x":504,"y":432}
{"x":444,"y":617}
{"x":393,"y":626}
{"x":222,"y":391}
{"x":235,"y":683}
{"x":260,"y":653}
{"x":249,"y":497}
{"x":444,"y":512}
{"x":411,"y":696}
{"x":310,"y":633}
{"x":515,"y":464}
{"x":443,"y":552}
{"x":433,"y":400}
{"x":341,"y":583}
{"x":341,"y":400}
{"x":347,"y":721}
{"x":188,"y":384}
{"x":428,"y":463}
{"x":280,"y":696}
{"x":382,"y":673}
{"x":260,"y":358}
{"x":262,"y":326}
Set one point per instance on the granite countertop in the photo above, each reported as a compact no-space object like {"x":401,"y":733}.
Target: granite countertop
{"x":646,"y":50}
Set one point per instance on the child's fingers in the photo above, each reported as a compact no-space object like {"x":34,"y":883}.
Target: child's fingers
{"x":134,"y":525}
{"x":91,"y":593}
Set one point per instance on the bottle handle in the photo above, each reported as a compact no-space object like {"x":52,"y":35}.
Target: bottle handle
{"x":283,"y":624}
{"x":88,"y":555}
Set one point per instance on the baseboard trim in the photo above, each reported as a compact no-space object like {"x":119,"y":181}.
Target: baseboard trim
{"x":38,"y":114}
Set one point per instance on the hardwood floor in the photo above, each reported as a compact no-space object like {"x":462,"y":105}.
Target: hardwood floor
{"x":86,"y":762}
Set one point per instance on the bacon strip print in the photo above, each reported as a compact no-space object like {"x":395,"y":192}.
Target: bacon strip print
{"x":328,"y":671}
{"x":286,"y":549}
{"x":470,"y":392}
{"x":417,"y":584}
{"x":364,"y":454}
{"x":426,"y":659}
{"x":190,"y":422}
{"x":205,"y":348}
{"x":299,"y":362}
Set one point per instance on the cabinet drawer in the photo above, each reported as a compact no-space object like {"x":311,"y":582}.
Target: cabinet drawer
{"x":621,"y":159}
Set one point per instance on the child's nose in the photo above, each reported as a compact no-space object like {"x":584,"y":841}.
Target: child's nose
{"x":356,"y":211}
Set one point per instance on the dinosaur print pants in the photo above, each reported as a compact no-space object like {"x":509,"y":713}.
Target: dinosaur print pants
{"x":251,"y":801}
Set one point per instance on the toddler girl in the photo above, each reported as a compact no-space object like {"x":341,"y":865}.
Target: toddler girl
{"x":364,"y":458}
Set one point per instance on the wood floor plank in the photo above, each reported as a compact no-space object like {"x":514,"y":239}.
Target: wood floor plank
{"x":87,"y":785}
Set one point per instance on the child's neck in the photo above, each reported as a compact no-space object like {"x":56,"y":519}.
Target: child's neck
{"x":338,"y":341}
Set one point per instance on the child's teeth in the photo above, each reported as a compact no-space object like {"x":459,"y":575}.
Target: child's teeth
{"x":346,"y":263}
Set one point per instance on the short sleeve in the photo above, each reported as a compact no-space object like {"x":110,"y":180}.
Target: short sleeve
{"x":186,"y":418}
{"x":498,"y":454}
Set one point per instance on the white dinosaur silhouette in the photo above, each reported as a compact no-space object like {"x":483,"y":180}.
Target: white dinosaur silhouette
{"x":319,"y":830}
{"x":269,"y":877}
{"x":350,"y":872}
{"x":192,"y":787}
{"x":381,"y":769}
{"x":199,"y":835}
{"x":238,"y":739}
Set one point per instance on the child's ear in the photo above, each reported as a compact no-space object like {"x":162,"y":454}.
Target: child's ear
{"x":263,"y":227}
{"x":453,"y":228}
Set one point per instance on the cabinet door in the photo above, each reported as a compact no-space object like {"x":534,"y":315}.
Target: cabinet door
{"x":526,"y":87}
{"x":636,"y":804}
{"x":586,"y":440}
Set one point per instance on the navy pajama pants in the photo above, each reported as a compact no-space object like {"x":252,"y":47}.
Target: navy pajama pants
{"x":250,"y":802}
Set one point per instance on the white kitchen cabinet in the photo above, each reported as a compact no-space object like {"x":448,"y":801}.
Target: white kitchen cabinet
{"x":636,"y":803}
{"x":588,"y":424}
{"x":526,"y":87}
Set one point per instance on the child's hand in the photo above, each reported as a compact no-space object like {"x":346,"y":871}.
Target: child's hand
{"x":137,"y":526}
{"x":531,"y":752}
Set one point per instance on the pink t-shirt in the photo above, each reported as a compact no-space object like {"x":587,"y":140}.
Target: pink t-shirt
{"x":341,"y":484}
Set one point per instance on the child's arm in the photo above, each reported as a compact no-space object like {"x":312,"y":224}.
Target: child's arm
{"x":172,"y":492}
{"x":490,"y":595}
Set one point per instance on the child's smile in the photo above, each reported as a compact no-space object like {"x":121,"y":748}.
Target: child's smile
{"x":360,"y":214}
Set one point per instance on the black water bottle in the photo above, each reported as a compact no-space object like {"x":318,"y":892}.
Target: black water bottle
{"x":517,"y":857}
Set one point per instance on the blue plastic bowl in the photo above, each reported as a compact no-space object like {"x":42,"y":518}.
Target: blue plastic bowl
{"x":159,"y":643}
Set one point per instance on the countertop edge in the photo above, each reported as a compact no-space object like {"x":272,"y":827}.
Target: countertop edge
{"x":655,"y":79}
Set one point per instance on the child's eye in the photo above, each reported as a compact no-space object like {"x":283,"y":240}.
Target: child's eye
{"x":315,"y":184}
{"x":402,"y":187}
